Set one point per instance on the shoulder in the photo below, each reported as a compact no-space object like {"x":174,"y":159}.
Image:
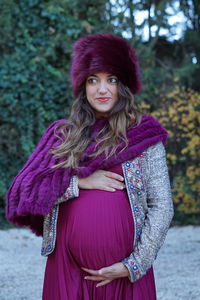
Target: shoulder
{"x":156,"y":148}
{"x":150,"y":128}
{"x":149,"y":125}
{"x":53,"y":128}
{"x":51,"y":134}
{"x":155,"y":152}
{"x":149,"y":121}
{"x":56,"y":124}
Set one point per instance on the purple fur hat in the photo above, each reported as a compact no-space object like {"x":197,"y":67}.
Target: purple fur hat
{"x":104,"y":53}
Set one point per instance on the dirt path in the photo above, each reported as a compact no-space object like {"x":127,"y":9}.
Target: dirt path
{"x":177,"y":268}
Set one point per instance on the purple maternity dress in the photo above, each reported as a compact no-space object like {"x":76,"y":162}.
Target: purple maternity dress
{"x":94,"y":230}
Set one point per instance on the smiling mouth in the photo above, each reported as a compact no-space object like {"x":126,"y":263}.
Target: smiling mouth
{"x":103,"y":99}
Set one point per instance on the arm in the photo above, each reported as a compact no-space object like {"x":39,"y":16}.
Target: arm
{"x":50,"y":220}
{"x":35,"y":189}
{"x":158,"y":217}
{"x":100,"y":179}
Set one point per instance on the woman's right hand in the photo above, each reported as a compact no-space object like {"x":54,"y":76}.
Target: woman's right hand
{"x":102,"y":180}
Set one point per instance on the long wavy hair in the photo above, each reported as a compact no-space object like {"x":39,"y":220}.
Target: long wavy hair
{"x":75,"y":133}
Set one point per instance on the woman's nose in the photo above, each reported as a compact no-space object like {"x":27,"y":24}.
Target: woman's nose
{"x":102,"y":87}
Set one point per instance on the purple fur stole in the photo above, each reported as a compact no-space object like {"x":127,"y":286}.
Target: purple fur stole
{"x":36,"y":188}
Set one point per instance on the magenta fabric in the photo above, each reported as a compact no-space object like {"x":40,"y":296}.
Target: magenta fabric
{"x":94,"y":230}
{"x":37,"y":187}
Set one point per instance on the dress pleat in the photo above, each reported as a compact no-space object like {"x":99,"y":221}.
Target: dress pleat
{"x":94,"y":230}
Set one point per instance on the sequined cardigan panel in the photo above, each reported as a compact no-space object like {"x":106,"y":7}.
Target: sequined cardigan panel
{"x":148,"y":187}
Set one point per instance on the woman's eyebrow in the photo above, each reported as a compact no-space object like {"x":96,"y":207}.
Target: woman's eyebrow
{"x":110,"y":75}
{"x":92,"y":75}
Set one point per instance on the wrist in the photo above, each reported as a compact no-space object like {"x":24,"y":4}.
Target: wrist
{"x":81,"y":183}
{"x":78,"y":182}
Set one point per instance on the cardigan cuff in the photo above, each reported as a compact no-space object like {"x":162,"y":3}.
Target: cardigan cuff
{"x":71,"y":192}
{"x":132,"y":268}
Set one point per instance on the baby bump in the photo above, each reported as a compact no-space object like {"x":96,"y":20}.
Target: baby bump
{"x":97,"y":227}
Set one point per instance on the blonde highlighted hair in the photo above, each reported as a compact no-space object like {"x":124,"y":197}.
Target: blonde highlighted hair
{"x":76,"y":131}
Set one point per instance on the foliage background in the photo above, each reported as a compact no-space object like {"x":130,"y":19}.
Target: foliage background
{"x":35,"y":50}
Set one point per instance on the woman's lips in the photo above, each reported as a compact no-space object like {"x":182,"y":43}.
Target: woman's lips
{"x":103,"y":99}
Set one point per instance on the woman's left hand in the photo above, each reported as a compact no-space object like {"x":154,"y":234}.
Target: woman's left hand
{"x":107,"y":274}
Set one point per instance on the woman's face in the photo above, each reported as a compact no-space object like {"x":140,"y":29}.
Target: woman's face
{"x":102,"y":92}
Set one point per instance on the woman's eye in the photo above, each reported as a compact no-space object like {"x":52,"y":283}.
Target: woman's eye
{"x":113,"y":80}
{"x":91,"y":80}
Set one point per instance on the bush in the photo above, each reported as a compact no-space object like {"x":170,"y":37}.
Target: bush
{"x":34,"y":65}
{"x":179,"y":114}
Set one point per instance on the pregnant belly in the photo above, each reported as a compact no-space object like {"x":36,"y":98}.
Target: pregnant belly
{"x":97,"y":227}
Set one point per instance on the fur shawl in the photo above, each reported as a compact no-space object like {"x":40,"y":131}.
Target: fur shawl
{"x":36,"y":188}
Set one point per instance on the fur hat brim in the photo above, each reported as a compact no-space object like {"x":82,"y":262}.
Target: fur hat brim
{"x":104,"y":53}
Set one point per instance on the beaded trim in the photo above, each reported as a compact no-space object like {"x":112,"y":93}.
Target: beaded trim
{"x":135,"y":187}
{"x":132,"y":267}
{"x":49,"y":237}
{"x":71,"y":192}
{"x":50,"y":221}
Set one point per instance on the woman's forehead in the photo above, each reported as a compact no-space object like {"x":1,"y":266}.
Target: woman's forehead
{"x":102,"y":74}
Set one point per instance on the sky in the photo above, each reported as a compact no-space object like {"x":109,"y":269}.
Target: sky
{"x":176,"y":20}
{"x":177,"y":23}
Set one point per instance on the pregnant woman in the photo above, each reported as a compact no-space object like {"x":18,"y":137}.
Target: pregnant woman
{"x":97,"y":185}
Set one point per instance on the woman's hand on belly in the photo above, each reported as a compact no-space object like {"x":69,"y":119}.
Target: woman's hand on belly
{"x":102,"y":180}
{"x":107,"y":274}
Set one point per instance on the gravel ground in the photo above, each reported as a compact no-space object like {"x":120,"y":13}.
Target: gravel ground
{"x":177,"y":268}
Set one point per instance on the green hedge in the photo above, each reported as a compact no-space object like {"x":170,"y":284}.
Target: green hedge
{"x":34,"y":74}
{"x":35,"y":54}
